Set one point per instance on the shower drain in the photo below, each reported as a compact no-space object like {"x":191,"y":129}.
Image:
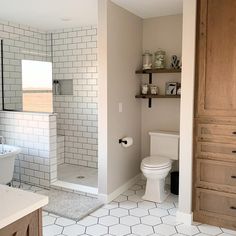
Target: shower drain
{"x":80,"y":177}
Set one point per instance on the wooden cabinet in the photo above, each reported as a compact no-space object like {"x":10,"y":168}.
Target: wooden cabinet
{"x":216,"y":58}
{"x":30,"y":225}
{"x":214,"y":188}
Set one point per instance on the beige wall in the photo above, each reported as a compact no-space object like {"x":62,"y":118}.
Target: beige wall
{"x":124,"y":49}
{"x":165,"y":33}
{"x":102,"y":98}
{"x":119,"y":85}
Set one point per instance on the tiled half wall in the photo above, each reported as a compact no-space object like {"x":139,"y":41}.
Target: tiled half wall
{"x":35,"y":134}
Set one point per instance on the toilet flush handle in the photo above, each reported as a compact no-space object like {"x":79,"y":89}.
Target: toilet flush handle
{"x":122,"y":141}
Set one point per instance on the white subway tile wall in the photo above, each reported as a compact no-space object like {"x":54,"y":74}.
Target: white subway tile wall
{"x":60,"y":149}
{"x":35,"y":134}
{"x":20,"y":42}
{"x":75,"y":58}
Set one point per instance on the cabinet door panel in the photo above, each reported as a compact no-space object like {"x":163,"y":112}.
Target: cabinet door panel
{"x":216,"y":69}
{"x":217,"y":151}
{"x":216,"y":133}
{"x":216,"y":175}
{"x":218,"y":204}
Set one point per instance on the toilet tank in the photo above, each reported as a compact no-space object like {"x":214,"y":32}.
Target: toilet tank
{"x":164,"y":143}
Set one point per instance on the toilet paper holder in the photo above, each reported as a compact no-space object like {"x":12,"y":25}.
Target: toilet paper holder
{"x":122,"y":141}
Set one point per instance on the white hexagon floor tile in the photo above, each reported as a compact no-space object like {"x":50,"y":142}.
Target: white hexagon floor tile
{"x":119,"y":212}
{"x":51,"y":230}
{"x":224,"y":234}
{"x":111,"y":205}
{"x":139,"y":212}
{"x":158,"y":212}
{"x":64,"y":221}
{"x":146,"y":205}
{"x":166,"y":205}
{"x":187,"y":229}
{"x":88,"y":221}
{"x":142,"y":230}
{"x":151,"y":220}
{"x":74,"y":230}
{"x":128,"y":205}
{"x":100,"y":212}
{"x":48,"y":220}
{"x":170,"y":220}
{"x":119,"y":230}
{"x":129,"y":215}
{"x":173,"y":211}
{"x":229,"y":231}
{"x":130,"y":220}
{"x":97,"y":230}
{"x":164,"y":229}
{"x":121,"y":198}
{"x":44,"y":213}
{"x":211,"y":230}
{"x":108,"y":220}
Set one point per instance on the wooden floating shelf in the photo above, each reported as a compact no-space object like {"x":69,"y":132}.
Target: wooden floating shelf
{"x":156,"y":96}
{"x":153,"y":71}
{"x":149,"y":73}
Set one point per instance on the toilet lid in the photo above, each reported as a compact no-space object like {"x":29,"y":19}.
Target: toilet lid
{"x":156,"y":162}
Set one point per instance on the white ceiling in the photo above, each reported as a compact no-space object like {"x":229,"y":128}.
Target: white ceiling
{"x":151,"y":8}
{"x":48,"y":14}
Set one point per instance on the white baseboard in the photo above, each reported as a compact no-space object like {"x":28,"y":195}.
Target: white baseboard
{"x":106,"y":198}
{"x":76,"y":187}
{"x":186,"y":218}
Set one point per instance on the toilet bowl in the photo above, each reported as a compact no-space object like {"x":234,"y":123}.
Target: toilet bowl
{"x":156,"y":169}
{"x":163,"y":150}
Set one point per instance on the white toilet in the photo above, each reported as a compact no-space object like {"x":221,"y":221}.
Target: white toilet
{"x":164,"y":148}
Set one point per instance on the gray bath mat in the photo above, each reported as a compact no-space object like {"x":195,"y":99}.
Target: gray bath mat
{"x":70,"y":205}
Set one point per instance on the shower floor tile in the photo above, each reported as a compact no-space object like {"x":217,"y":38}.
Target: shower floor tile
{"x":78,"y":175}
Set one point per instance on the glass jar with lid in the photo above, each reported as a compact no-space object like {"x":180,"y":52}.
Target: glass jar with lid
{"x":147,"y":60}
{"x":160,"y":59}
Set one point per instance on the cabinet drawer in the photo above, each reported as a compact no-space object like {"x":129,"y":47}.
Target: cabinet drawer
{"x":217,"y":132}
{"x":222,"y":205}
{"x":217,"y":151}
{"x":216,"y":175}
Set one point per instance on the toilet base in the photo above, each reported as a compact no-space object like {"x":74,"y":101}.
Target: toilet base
{"x":155,"y":191}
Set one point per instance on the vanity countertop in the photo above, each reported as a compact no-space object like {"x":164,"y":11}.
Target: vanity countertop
{"x":16,"y":203}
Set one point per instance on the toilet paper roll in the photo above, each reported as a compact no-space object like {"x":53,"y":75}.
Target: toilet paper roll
{"x":129,"y":141}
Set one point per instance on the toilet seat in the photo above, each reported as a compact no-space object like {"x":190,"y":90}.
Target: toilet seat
{"x":156,"y":162}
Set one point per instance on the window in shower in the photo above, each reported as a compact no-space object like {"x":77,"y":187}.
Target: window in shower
{"x":37,"y":86}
